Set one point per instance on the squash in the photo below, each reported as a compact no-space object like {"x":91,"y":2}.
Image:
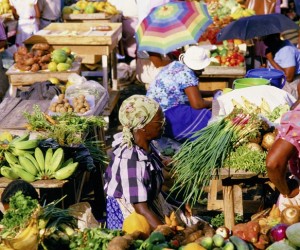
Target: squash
{"x":193,"y":246}
{"x":136,"y":222}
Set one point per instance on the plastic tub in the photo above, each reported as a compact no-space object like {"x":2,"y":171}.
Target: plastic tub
{"x":275,"y":76}
{"x":249,"y":82}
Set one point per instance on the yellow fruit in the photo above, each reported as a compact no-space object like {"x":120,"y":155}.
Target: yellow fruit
{"x":67,"y":10}
{"x":54,"y":80}
{"x":52,"y":66}
{"x":193,"y":246}
{"x":136,"y":222}
{"x":76,"y":12}
{"x":6,"y":136}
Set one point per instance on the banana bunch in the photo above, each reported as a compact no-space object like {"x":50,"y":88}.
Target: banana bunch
{"x":172,"y":221}
{"x":107,"y":8}
{"x":37,"y":166}
{"x":241,"y":12}
{"x":18,"y":145}
{"x":26,"y":239}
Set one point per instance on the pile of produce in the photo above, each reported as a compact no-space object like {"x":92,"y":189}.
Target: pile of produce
{"x":251,"y":154}
{"x":77,"y":104}
{"x":228,"y":54}
{"x":27,"y":225}
{"x":41,"y":56}
{"x":22,"y":158}
{"x":223,"y":12}
{"x":34,"y":60}
{"x":61,"y":59}
{"x":68,"y":129}
{"x":197,"y":160}
{"x":91,"y":7}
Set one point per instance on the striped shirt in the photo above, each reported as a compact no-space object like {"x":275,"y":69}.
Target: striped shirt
{"x":133,"y":174}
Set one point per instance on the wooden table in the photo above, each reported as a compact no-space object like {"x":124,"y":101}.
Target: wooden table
{"x":228,"y":182}
{"x":96,"y":17}
{"x":219,"y":77}
{"x":85,"y":42}
{"x":18,"y":78}
{"x":40,"y":186}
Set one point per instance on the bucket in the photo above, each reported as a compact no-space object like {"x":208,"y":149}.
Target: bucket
{"x":249,"y":82}
{"x":275,"y":76}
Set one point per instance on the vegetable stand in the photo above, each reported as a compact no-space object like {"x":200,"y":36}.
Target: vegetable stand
{"x":86,"y":42}
{"x":229,"y":181}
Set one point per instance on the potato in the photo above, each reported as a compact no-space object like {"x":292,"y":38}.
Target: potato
{"x":22,"y":50}
{"x":39,"y":52}
{"x":35,"y":67}
{"x":46,"y":58}
{"x":29,"y":62}
{"x":22,"y":67}
{"x":82,"y":110}
{"x":41,"y":46}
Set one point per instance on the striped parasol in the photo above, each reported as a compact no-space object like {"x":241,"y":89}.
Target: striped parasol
{"x":172,"y":25}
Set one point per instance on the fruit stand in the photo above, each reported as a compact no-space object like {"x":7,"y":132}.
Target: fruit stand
{"x":88,"y":40}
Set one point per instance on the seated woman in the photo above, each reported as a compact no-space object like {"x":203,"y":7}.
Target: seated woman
{"x":133,"y":179}
{"x":176,"y":89}
{"x":284,"y":56}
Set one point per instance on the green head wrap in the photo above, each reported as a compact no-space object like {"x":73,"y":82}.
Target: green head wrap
{"x":134,"y":113}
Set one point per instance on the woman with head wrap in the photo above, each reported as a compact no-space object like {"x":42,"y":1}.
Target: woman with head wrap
{"x":133,"y":179}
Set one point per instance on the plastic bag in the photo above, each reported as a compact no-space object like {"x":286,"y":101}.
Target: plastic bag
{"x":92,"y":90}
{"x":82,"y":211}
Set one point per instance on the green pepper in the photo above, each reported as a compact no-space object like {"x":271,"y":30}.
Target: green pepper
{"x":156,"y":238}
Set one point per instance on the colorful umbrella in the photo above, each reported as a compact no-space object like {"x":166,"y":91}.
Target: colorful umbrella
{"x":171,"y":26}
{"x":256,"y":26}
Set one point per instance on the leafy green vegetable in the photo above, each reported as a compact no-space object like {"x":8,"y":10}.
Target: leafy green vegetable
{"x":219,"y":220}
{"x":244,"y":158}
{"x":18,"y":215}
{"x":278,"y":112}
{"x":67,"y":129}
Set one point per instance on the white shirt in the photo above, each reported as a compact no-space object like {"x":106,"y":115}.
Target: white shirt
{"x":50,"y":9}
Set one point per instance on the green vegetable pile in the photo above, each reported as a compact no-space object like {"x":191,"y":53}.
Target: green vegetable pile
{"x":93,"y":238}
{"x":244,"y":158}
{"x":18,"y":215}
{"x":67,"y":129}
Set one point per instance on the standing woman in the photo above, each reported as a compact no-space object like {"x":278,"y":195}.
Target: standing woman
{"x":28,"y":15}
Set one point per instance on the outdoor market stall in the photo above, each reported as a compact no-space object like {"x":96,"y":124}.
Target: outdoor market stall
{"x":88,"y":40}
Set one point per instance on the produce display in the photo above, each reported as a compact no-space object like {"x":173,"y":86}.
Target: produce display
{"x":77,"y":104}
{"x":91,"y":7}
{"x":26,"y":160}
{"x":223,"y":12}
{"x":41,"y":56}
{"x":5,"y":7}
{"x":228,"y":54}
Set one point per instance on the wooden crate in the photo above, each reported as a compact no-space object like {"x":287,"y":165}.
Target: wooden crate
{"x":17,"y":77}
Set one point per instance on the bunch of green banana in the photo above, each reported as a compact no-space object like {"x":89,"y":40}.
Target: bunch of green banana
{"x":19,"y":145}
{"x":37,"y":166}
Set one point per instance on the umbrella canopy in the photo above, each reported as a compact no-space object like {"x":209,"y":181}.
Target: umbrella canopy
{"x":256,"y":26}
{"x":172,"y":25}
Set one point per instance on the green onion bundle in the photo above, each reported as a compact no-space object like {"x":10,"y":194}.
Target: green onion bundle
{"x":197,"y":160}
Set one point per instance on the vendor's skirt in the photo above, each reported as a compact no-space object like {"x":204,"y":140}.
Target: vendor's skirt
{"x":183,"y":121}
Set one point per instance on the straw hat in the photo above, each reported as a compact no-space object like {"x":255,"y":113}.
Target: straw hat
{"x":195,"y":57}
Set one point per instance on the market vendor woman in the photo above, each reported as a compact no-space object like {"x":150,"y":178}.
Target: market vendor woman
{"x":134,"y":176}
{"x":176,"y":89}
